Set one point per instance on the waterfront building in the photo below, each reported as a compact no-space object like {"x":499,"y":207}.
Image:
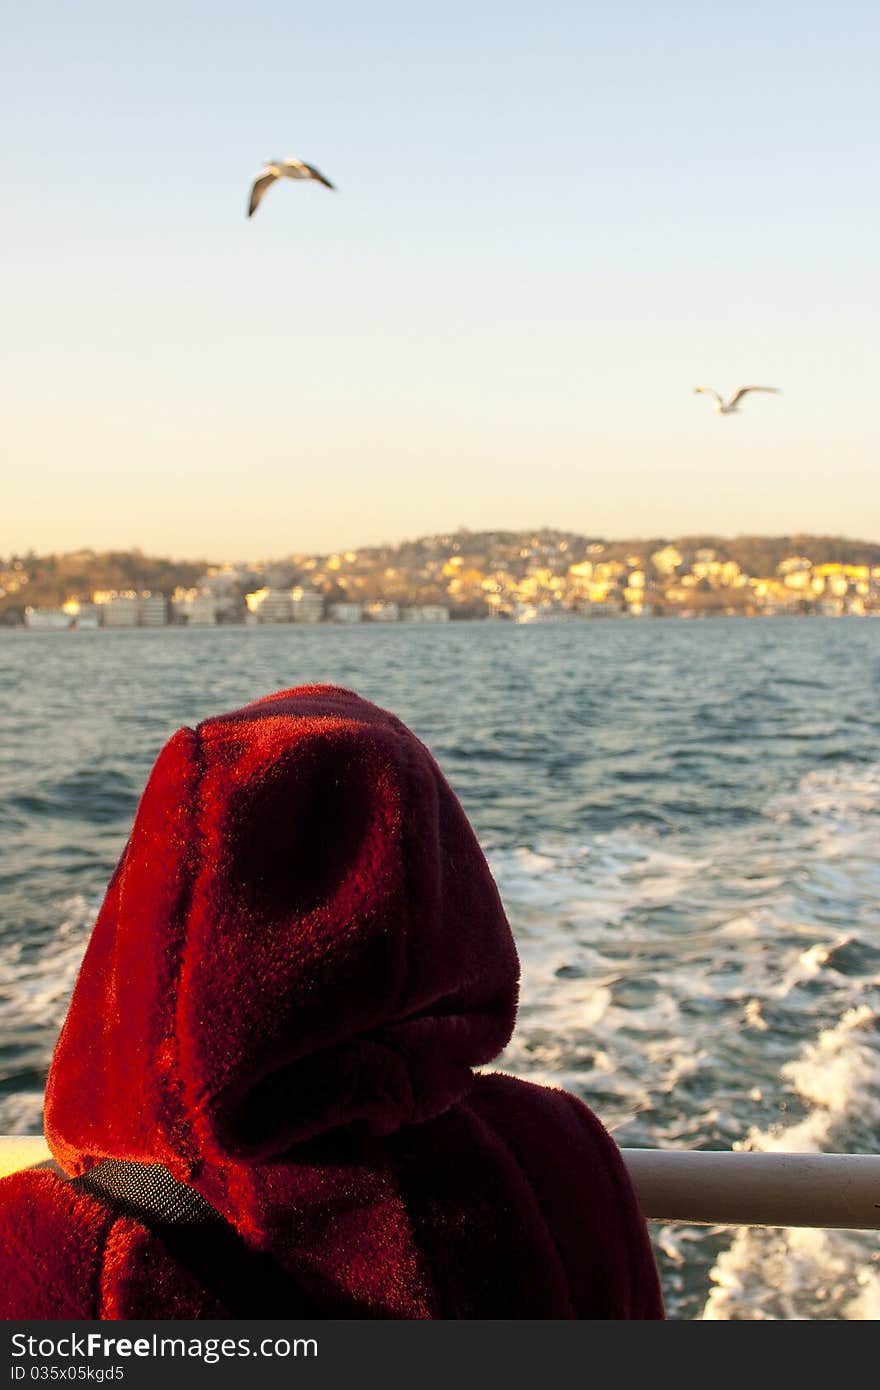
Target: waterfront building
{"x":307,"y":605}
{"x":152,"y":610}
{"x":82,"y":615}
{"x":86,"y":616}
{"x":345,"y":612}
{"x":380,"y":612}
{"x":195,"y":608}
{"x":132,"y":610}
{"x":425,"y":613}
{"x":271,"y":605}
{"x":119,"y":610}
{"x":47,"y":619}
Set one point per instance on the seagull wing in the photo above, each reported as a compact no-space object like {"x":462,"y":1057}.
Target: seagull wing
{"x":710,"y":391}
{"x":316,"y":174}
{"x":261,"y":183}
{"x":738,"y":395}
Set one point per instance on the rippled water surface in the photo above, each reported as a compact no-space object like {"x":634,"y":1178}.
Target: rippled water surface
{"x":683,"y":819}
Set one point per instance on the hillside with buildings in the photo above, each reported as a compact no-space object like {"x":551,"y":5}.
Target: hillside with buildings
{"x":521,"y":576}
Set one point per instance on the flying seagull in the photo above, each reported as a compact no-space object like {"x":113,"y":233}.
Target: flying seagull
{"x":731,"y":406}
{"x":282,"y":169}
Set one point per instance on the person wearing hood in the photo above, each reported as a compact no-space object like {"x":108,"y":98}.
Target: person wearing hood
{"x":263,"y":1101}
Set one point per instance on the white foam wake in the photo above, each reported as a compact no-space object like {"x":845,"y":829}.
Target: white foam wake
{"x":836,"y":1274}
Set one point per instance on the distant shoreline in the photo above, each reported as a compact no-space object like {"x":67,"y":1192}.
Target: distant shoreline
{"x":573,"y":620}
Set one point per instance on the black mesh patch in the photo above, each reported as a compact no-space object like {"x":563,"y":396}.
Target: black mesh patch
{"x":147,"y":1191}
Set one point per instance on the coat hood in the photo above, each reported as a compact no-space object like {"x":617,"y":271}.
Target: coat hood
{"x":302,"y":935}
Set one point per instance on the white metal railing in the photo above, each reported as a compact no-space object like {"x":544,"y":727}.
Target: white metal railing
{"x":699,"y":1187}
{"x":832,"y":1191}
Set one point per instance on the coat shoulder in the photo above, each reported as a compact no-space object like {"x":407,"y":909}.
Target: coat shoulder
{"x":583,"y":1189}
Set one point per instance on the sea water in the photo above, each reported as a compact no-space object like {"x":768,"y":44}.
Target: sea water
{"x":683,"y":819}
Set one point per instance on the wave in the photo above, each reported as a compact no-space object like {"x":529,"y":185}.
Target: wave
{"x":719,"y":989}
{"x":834,"y":1273}
{"x":35,"y":990}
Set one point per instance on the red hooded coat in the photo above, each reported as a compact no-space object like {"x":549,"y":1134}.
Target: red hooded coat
{"x":300,"y":960}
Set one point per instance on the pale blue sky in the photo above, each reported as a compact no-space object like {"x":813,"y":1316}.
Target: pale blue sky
{"x":552,"y":222}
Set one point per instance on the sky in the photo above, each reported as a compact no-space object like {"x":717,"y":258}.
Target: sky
{"x":551,"y":222}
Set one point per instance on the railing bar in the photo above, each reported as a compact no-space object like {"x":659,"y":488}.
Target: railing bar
{"x":733,"y":1188}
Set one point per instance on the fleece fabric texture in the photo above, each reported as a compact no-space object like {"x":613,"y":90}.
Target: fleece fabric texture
{"x":300,"y":961}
